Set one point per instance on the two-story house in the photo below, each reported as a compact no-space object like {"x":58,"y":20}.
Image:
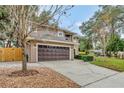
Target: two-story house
{"x":48,"y":43}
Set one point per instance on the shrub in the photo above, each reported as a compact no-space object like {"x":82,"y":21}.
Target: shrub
{"x":82,"y":53}
{"x":97,"y":53}
{"x":78,"y":56}
{"x":87,"y":58}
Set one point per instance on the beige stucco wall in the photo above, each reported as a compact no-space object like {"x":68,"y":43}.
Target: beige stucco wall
{"x":47,"y":33}
{"x":51,"y":34}
{"x":76,"y":47}
{"x":72,"y":53}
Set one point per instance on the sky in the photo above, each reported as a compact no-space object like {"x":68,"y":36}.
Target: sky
{"x":77,"y":15}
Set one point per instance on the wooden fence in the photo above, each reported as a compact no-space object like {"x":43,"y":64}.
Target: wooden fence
{"x":10,"y":54}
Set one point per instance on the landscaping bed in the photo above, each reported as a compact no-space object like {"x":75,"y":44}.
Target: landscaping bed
{"x":111,"y":63}
{"x":44,"y":78}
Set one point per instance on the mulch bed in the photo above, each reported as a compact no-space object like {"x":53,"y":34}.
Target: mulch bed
{"x":35,"y":78}
{"x":21,"y":73}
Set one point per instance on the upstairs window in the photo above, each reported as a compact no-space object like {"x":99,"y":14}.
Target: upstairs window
{"x":60,"y":34}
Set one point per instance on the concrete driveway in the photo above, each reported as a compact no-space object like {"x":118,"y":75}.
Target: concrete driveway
{"x":85,"y":74}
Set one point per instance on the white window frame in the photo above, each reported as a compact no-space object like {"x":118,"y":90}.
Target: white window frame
{"x":62,"y":34}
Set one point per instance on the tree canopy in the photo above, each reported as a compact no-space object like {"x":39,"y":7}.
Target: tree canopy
{"x":105,"y":23}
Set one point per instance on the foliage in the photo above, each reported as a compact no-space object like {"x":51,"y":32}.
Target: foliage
{"x":115,"y":44}
{"x":78,"y":56}
{"x":82,"y":53}
{"x":4,"y":22}
{"x":1,"y":44}
{"x":42,"y":17}
{"x":107,"y":21}
{"x":45,"y":15}
{"x":3,"y":17}
{"x":85,"y":43}
{"x":85,"y":58}
{"x":111,"y":63}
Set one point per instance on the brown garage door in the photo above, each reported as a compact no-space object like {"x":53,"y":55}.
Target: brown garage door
{"x":49,"y":53}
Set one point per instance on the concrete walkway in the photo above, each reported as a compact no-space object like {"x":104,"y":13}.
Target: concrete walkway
{"x":85,"y":74}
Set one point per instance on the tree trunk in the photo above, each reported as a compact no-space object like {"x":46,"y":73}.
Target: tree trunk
{"x":8,"y":43}
{"x":24,"y":63}
{"x":104,"y":52}
{"x":113,"y":31}
{"x":104,"y":46}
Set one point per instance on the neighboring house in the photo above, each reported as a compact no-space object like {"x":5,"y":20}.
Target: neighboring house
{"x":48,"y":43}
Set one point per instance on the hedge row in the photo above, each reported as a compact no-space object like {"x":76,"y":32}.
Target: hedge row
{"x":85,"y":58}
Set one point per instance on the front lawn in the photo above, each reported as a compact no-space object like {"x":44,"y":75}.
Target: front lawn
{"x":47,"y":78}
{"x":111,"y":63}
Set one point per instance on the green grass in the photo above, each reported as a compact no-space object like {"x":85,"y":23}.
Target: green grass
{"x":111,"y":63}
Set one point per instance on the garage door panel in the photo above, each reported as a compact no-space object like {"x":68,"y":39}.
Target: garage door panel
{"x":47,"y":53}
